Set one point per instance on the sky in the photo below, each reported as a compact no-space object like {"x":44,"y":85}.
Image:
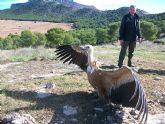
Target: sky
{"x":150,"y":6}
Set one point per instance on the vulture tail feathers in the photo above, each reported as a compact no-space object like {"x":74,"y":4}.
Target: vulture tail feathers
{"x":142,"y":102}
{"x":128,"y":91}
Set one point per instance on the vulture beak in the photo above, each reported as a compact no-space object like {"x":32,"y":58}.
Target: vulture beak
{"x":83,"y":48}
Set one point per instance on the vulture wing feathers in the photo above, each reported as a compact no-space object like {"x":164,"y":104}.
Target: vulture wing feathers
{"x":73,"y":55}
{"x":121,"y":86}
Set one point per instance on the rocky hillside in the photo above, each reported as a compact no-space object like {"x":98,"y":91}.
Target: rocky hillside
{"x":68,"y":11}
{"x":32,"y":4}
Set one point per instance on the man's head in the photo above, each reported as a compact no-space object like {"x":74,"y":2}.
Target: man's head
{"x":132,"y":9}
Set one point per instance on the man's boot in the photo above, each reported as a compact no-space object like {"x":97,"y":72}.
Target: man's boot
{"x":130,"y":63}
{"x":120,"y":64}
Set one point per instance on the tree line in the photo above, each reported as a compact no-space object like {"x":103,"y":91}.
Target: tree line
{"x":93,"y":36}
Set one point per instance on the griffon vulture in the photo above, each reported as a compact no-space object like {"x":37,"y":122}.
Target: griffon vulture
{"x":121,"y":86}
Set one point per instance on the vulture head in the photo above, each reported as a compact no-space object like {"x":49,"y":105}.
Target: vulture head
{"x":87,"y":48}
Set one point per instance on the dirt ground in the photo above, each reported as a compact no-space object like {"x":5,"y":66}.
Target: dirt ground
{"x":15,"y":27}
{"x":151,"y":73}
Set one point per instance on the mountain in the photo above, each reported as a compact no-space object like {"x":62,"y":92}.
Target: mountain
{"x":42,"y":3}
{"x":68,"y":11}
{"x":48,"y":10}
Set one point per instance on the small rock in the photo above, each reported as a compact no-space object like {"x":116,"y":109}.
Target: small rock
{"x":150,"y":101}
{"x":74,"y":120}
{"x":163,"y":94}
{"x":50,"y":86}
{"x":17,"y":118}
{"x":133,"y":112}
{"x":120,"y":114}
{"x":7,"y":120}
{"x":68,"y":110}
{"x":59,"y":120}
{"x":42,"y":93}
{"x":162,"y":100}
{"x":23,"y":90}
{"x":53,"y":71}
{"x":156,"y":94}
{"x":156,"y":119}
{"x":157,"y":78}
{"x":99,"y":109}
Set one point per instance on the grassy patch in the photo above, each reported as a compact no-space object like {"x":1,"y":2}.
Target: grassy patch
{"x":103,"y":53}
{"x":27,"y":54}
{"x":13,"y":98}
{"x":150,"y":55}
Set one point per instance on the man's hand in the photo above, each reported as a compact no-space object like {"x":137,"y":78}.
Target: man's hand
{"x":140,"y":40}
{"x":121,"y":42}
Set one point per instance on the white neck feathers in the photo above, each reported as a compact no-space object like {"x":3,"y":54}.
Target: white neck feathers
{"x":90,"y":58}
{"x":90,"y":68}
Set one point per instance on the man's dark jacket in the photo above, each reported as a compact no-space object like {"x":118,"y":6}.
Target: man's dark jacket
{"x":130,"y":28}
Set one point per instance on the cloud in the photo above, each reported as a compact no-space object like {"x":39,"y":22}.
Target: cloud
{"x":12,"y":1}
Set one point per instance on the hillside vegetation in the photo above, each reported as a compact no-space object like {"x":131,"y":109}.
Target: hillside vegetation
{"x":94,"y":36}
{"x":82,"y":16}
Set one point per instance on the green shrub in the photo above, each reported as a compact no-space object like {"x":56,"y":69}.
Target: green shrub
{"x":7,"y":43}
{"x":68,"y":39}
{"x":149,"y":30}
{"x":86,"y":36}
{"x":16,"y":40}
{"x":55,"y":37}
{"x":1,"y":43}
{"x":101,"y":36}
{"x":40,"y":39}
{"x":27,"y":38}
{"x":113,"y":30}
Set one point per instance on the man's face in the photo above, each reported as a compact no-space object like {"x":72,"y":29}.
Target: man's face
{"x":132,"y":10}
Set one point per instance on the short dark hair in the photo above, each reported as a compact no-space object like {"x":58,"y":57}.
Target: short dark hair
{"x":132,"y":6}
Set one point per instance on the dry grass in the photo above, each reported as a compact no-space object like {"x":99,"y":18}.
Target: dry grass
{"x":16,"y":27}
{"x":26,"y":54}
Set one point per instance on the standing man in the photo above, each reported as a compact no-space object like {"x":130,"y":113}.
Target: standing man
{"x":129,"y":31}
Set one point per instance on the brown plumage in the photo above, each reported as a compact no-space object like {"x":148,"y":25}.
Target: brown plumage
{"x":121,"y":86}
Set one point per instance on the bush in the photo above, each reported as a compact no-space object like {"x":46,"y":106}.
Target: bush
{"x":55,"y":37}
{"x":40,"y":39}
{"x":113,"y":30}
{"x":7,"y":43}
{"x":101,"y":36}
{"x":86,"y":36}
{"x":77,"y":41}
{"x":68,"y":39}
{"x":161,"y":27}
{"x":27,"y":38}
{"x":149,"y":30}
{"x":1,"y":43}
{"x":16,"y":40}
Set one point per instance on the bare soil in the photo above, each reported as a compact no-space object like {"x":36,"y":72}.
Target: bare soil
{"x":16,"y":27}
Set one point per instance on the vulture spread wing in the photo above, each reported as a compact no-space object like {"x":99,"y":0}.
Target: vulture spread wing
{"x":73,"y":55}
{"x":127,"y":90}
